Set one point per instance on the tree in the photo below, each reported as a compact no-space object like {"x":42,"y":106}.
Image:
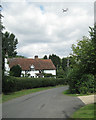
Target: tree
{"x":15,"y":71}
{"x":64,"y":63}
{"x":9,"y":43}
{"x":83,"y":55}
{"x":81,"y":75}
{"x":56,"y":60}
{"x":93,"y":51}
{"x":45,"y":57}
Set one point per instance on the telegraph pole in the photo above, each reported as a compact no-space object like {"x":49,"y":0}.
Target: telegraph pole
{"x":94,"y":12}
{"x":0,"y":62}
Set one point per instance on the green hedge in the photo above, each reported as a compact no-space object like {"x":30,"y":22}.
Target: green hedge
{"x":12,"y":84}
{"x":80,"y":83}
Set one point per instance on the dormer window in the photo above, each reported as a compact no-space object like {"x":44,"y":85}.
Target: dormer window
{"x":32,"y":68}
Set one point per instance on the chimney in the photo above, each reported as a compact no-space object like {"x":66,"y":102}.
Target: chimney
{"x":36,"y":57}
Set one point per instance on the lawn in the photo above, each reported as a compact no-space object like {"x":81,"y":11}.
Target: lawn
{"x":85,"y":112}
{"x":24,"y":92}
{"x":67,"y":92}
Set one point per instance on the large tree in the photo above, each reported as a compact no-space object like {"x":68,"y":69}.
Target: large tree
{"x":64,"y":63}
{"x":56,"y":60}
{"x":81,"y":75}
{"x":45,"y":57}
{"x":9,"y":43}
{"x":83,"y":55}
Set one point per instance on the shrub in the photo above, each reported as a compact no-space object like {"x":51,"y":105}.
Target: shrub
{"x":80,"y":82}
{"x":15,"y":71}
{"x":87,"y":84}
{"x":73,"y":77}
{"x":48,"y":75}
{"x":12,"y":84}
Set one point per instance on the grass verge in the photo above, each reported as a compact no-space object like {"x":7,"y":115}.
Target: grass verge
{"x":67,"y":92}
{"x":13,"y":95}
{"x":85,"y":112}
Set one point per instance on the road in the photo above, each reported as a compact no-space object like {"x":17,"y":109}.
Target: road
{"x":44,"y":104}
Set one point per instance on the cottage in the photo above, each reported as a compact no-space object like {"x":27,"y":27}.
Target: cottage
{"x":33,"y":67}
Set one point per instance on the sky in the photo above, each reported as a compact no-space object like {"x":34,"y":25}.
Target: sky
{"x":42,"y":28}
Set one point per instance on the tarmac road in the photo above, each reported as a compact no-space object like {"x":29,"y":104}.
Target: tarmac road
{"x":44,"y":104}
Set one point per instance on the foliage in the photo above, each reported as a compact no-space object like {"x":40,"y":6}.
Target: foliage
{"x":83,"y":53}
{"x":45,"y":57}
{"x":64,"y":63}
{"x":81,"y":74}
{"x":9,"y":43}
{"x":60,"y":73}
{"x":48,"y":75}
{"x":20,"y":56}
{"x":15,"y":71}
{"x":12,"y":84}
{"x":79,"y":82}
{"x":87,"y":84}
{"x":56,"y":60}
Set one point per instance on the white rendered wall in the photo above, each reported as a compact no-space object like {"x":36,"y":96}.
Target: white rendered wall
{"x":7,"y":68}
{"x":32,"y":73}
{"x":53,"y":72}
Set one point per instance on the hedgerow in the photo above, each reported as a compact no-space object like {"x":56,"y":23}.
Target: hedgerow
{"x":12,"y":84}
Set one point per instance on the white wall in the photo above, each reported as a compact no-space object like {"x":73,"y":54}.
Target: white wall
{"x":53,"y":72}
{"x":33,"y":73}
{"x":7,"y":68}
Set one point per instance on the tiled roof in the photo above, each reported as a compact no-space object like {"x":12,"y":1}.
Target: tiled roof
{"x":25,"y":63}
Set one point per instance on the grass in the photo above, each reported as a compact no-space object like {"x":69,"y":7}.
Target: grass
{"x":24,"y":92}
{"x":85,"y":112}
{"x":67,"y":92}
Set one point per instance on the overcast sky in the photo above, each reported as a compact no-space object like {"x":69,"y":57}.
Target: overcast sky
{"x":42,"y":28}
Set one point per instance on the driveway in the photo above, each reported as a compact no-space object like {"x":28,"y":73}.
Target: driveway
{"x":44,"y":104}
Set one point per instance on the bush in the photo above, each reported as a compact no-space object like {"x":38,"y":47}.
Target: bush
{"x":73,"y":77}
{"x":87,"y":84}
{"x":15,"y":71}
{"x":80,"y":83}
{"x":12,"y":84}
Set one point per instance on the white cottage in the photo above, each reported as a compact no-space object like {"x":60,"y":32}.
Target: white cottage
{"x":34,"y":67}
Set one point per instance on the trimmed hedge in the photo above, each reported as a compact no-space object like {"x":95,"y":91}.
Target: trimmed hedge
{"x":12,"y":84}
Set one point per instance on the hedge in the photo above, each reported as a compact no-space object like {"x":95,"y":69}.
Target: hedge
{"x":12,"y":84}
{"x":80,"y":83}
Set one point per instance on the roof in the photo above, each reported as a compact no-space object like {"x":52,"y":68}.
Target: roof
{"x":25,"y":63}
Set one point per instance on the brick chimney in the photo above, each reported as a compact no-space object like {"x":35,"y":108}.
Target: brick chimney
{"x":36,"y":57}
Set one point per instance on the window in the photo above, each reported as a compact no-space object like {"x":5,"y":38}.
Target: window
{"x":32,"y":68}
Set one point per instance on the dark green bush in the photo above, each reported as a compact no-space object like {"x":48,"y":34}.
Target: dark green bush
{"x":80,"y":82}
{"x":15,"y":71}
{"x":73,"y":77}
{"x":48,"y":75}
{"x":12,"y":84}
{"x":87,"y":84}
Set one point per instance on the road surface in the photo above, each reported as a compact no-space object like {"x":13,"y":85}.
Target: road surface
{"x":44,"y":104}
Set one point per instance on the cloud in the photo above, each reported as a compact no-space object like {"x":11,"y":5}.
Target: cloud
{"x":42,"y":28}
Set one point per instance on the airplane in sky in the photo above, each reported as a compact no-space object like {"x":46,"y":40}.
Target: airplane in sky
{"x":65,"y":10}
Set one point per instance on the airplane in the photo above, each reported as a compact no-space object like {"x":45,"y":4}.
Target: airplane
{"x":65,"y":10}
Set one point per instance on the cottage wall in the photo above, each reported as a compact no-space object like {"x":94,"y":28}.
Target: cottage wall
{"x":7,"y":68}
{"x":33,"y":73}
{"x":53,"y":72}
